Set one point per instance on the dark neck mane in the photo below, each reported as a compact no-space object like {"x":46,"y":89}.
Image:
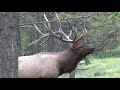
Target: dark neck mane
{"x":67,"y":61}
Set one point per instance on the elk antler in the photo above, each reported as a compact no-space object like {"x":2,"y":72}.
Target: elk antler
{"x":57,"y":34}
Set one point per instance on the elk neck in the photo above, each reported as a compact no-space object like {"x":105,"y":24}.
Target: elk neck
{"x":68,"y":60}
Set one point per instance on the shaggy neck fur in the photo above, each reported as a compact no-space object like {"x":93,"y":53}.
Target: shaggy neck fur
{"x":68,"y":60}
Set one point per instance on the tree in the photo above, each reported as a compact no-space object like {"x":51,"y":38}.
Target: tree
{"x":9,"y":44}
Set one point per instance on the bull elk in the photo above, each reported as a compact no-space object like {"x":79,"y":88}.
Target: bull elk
{"x":54,"y":64}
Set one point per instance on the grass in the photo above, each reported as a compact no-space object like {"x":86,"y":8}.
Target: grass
{"x":99,"y":68}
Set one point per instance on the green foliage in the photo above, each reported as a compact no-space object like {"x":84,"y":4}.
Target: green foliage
{"x":24,"y":41}
{"x":115,"y":52}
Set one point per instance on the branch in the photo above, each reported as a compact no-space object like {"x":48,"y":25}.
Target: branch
{"x":74,"y":17}
{"x":45,"y":40}
{"x":102,"y":42}
{"x":38,"y":29}
{"x":85,"y":68}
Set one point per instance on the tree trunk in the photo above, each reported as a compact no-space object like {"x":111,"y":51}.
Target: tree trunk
{"x":50,"y":45}
{"x":72,"y":74}
{"x":87,"y":61}
{"x":9,"y":46}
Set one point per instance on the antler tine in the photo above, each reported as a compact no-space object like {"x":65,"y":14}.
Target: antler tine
{"x":83,"y":35}
{"x":45,"y":35}
{"x":75,"y":33}
{"x":38,"y":29}
{"x":49,"y":27}
{"x":70,"y":33}
{"x":45,"y":40}
{"x":61,"y":31}
{"x":46,"y":26}
{"x":47,"y":21}
{"x":85,"y":31}
{"x":59,"y":21}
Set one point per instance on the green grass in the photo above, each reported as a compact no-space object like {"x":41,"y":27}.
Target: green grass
{"x":99,"y":68}
{"x":109,"y":53}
